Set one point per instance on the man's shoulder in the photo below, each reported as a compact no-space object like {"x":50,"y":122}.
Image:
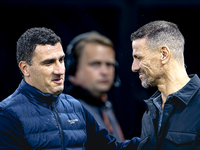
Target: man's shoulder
{"x":13,"y":104}
{"x":13,"y":99}
{"x":69,"y":100}
{"x":67,"y":97}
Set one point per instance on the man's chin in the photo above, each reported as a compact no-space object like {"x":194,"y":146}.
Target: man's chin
{"x":148,"y":85}
{"x":58,"y":91}
{"x":145,"y":85}
{"x":104,"y":88}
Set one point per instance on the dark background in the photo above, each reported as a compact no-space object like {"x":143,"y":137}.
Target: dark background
{"x":116,"y":19}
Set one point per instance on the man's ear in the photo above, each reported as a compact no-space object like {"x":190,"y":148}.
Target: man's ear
{"x":24,"y":68}
{"x":165,"y":54}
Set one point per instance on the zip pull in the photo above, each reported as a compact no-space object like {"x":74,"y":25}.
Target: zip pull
{"x":56,"y":115}
{"x":52,"y":106}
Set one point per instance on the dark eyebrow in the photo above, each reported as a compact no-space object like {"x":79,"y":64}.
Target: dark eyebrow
{"x":46,"y":61}
{"x":62,"y":57}
{"x":135,"y":56}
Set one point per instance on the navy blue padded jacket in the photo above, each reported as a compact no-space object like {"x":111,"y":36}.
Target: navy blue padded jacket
{"x":31,"y":119}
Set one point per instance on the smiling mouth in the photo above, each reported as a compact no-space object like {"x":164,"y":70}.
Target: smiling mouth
{"x":140,"y":75}
{"x":58,"y":80}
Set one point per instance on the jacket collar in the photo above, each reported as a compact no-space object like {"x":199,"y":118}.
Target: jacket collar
{"x":36,"y":95}
{"x":185,"y":94}
{"x":189,"y":90}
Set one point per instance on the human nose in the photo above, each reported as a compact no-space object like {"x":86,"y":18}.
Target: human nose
{"x":135,"y":66}
{"x":59,"y":68}
{"x":105,"y":69}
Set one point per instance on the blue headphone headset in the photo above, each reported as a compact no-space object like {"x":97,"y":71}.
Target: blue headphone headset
{"x":71,"y":58}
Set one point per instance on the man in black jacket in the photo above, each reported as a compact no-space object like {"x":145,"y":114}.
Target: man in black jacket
{"x":172,"y":119}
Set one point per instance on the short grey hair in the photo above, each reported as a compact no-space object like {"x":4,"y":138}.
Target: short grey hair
{"x":160,"y":33}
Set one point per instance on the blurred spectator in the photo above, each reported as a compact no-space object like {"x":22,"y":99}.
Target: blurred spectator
{"x":90,"y":73}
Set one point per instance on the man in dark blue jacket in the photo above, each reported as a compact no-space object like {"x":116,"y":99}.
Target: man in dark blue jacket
{"x":37,"y":115}
{"x":172,"y":120}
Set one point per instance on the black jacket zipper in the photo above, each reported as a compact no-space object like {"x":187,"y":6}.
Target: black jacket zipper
{"x":59,"y":125}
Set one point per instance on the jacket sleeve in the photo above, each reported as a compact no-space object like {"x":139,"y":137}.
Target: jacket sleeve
{"x":10,"y":132}
{"x":98,"y":137}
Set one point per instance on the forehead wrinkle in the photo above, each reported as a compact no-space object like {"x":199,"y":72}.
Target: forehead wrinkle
{"x":143,"y":51}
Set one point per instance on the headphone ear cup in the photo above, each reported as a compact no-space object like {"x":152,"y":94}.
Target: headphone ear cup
{"x":70,"y":65}
{"x":117,"y":80}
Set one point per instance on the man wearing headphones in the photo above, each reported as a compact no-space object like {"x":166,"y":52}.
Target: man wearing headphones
{"x":90,"y":73}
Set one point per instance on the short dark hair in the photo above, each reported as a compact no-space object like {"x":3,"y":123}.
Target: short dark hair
{"x":159,"y":33}
{"x":28,"y":41}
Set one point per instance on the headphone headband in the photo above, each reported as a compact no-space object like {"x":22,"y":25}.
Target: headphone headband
{"x":76,"y":40}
